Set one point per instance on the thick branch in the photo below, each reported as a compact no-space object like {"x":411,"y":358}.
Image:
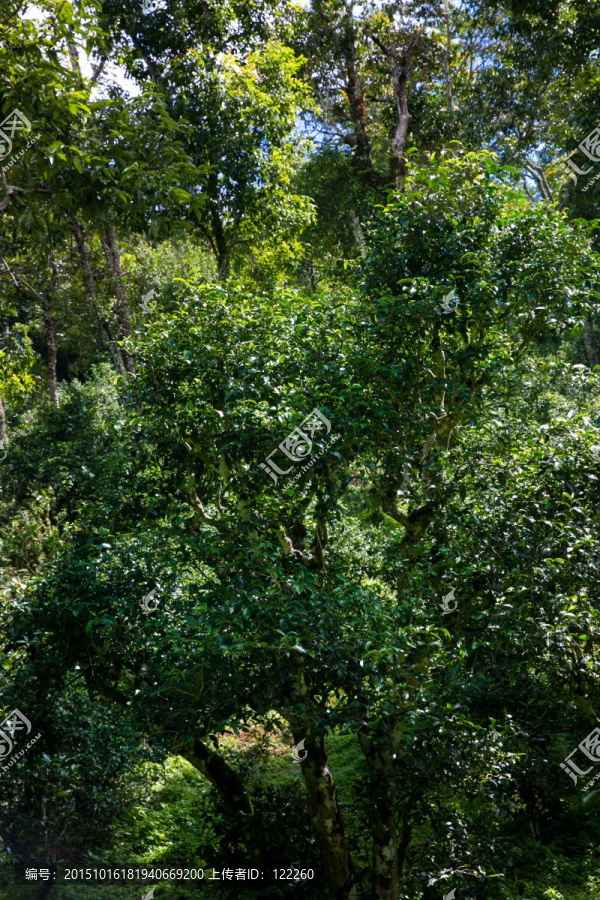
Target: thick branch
{"x":10,"y":189}
{"x":219,"y":773}
{"x":349,"y":139}
{"x":415,"y":522}
{"x":400,"y":74}
{"x":537,"y":173}
{"x":313,"y":562}
{"x":358,"y":233}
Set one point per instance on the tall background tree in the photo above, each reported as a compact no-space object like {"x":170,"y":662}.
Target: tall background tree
{"x":233,"y":214}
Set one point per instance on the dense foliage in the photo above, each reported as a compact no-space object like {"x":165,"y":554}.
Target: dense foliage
{"x":300,"y":446}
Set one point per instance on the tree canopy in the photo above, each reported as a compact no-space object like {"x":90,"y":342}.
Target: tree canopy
{"x":299,"y":445}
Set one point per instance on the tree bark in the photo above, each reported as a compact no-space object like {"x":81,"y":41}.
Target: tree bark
{"x":208,"y":762}
{"x":386,"y":877}
{"x":220,"y":774}
{"x":326,"y":819}
{"x":91,"y":286}
{"x":231,"y":789}
{"x":110,"y":243}
{"x":400,"y":82}
{"x":362,"y":159}
{"x":400,"y":73}
{"x":589,"y":341}
{"x":358,"y":233}
{"x":51,"y":346}
{"x":222,"y":247}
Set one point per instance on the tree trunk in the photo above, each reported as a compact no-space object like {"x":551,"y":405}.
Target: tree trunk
{"x":220,"y":774}
{"x":589,"y":341}
{"x":44,"y":890}
{"x":231,"y":788}
{"x":403,"y":845}
{"x":358,"y":233}
{"x":51,"y":345}
{"x":400,"y":81}
{"x":386,"y":878}
{"x":222,"y":248}
{"x":110,"y":243}
{"x":91,"y":286}
{"x":326,"y":819}
{"x":363,"y":162}
{"x":224,"y":265}
{"x":400,"y":74}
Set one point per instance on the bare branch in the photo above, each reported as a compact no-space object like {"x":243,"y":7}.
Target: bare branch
{"x":10,"y":189}
{"x":19,"y":280}
{"x":379,"y":43}
{"x":98,"y":70}
{"x":347,"y":138}
{"x":540,"y":178}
